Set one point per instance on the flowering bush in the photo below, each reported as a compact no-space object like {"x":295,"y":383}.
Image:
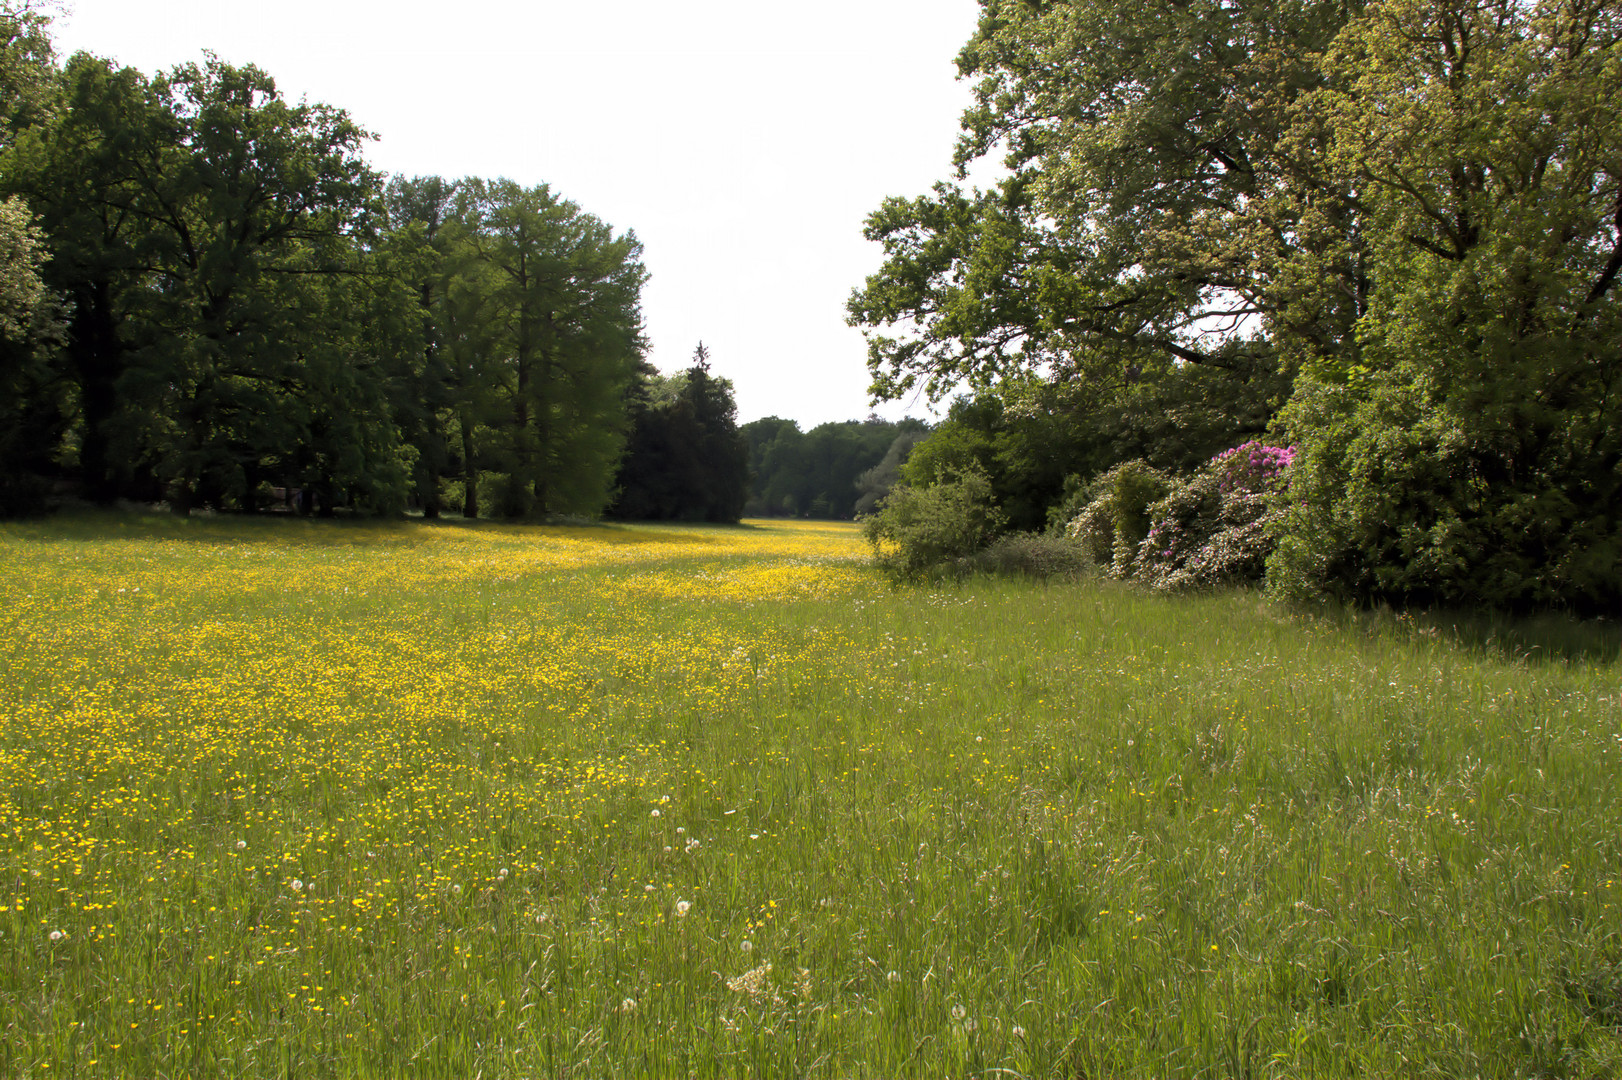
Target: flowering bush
{"x":1114,"y":523}
{"x":1254,"y":466}
{"x":1213,"y":528}
{"x":1210,"y":528}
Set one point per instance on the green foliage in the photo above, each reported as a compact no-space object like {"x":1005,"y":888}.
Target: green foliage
{"x":1035,"y":555}
{"x":1041,"y":441}
{"x":207,"y":237}
{"x":1116,"y":518}
{"x":1024,"y":447}
{"x":1409,"y":210}
{"x":1210,"y":527}
{"x":817,"y":473}
{"x":246,"y":307}
{"x":922,"y":531}
{"x":27,"y":69}
{"x":1400,"y":495}
{"x":877,"y":482}
{"x":1137,"y":224}
{"x":687,"y":460}
{"x":33,"y":412}
{"x":965,"y":441}
{"x":559,"y":295}
{"x":1214,"y":527}
{"x":1472,"y":453}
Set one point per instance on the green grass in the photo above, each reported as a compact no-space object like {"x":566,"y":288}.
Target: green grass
{"x":996,"y":829}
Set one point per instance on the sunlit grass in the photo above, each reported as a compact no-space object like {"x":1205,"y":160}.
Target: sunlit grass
{"x":295,"y":798}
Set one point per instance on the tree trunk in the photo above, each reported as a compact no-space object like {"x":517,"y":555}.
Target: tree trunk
{"x":97,"y":360}
{"x":251,"y":477}
{"x":470,"y":471}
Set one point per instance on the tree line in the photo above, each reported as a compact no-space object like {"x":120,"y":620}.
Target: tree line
{"x":836,"y":470}
{"x":1385,"y":235}
{"x":207,"y":297}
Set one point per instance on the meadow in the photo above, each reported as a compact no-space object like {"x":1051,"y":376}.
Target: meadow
{"x":305,"y":799}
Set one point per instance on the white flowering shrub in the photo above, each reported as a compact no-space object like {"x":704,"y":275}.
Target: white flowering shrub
{"x":1212,"y":528}
{"x":1113,"y":525}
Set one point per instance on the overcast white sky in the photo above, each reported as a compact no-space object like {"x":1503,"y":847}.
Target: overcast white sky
{"x":743,"y":141}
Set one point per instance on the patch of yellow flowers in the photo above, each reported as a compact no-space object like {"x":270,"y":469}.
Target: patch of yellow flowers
{"x":274,"y":700}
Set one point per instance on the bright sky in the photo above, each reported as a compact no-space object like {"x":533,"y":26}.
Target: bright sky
{"x":743,"y":141}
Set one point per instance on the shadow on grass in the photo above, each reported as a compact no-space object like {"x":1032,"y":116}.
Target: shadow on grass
{"x":1548,"y":637}
{"x":88,"y":525}
{"x":1537,"y":638}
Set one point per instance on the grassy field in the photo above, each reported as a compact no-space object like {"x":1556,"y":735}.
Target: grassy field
{"x":284,"y":798}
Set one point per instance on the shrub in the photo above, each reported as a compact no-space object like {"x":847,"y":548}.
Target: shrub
{"x":1213,"y":528}
{"x":920,"y":531}
{"x":1116,"y":520}
{"x":1210,"y":528}
{"x":1038,"y":555}
{"x":1406,"y":496}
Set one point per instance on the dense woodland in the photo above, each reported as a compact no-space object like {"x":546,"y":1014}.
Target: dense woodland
{"x":1374,"y":245}
{"x":210,"y":299}
{"x":835,"y":470}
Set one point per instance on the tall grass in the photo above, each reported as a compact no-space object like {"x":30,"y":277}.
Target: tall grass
{"x":289,"y":799}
